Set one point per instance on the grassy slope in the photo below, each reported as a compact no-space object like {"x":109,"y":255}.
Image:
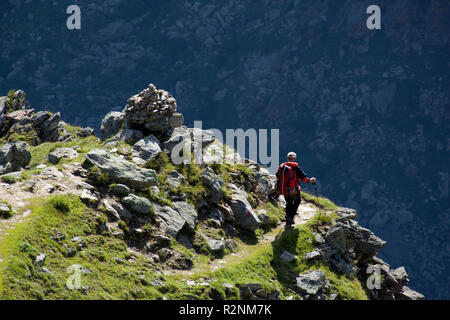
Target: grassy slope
{"x":118,"y":274}
{"x":130,"y":278}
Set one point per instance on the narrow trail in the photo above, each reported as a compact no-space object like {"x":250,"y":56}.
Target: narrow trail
{"x":50,"y":181}
{"x":305,"y":212}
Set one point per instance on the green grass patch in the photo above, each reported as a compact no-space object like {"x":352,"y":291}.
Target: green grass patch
{"x":113,"y":272}
{"x":321,"y":202}
{"x":9,"y":179}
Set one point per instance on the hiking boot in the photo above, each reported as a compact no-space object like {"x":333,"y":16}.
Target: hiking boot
{"x":289,"y":221}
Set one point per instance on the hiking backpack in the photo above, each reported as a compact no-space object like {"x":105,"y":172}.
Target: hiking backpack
{"x":288,"y":184}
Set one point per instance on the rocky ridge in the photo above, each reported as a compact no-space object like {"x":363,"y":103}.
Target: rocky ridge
{"x":151,"y":203}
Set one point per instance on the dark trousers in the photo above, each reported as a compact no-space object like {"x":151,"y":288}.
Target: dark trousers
{"x":292,"y":204}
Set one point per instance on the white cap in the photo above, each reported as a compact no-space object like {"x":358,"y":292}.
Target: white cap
{"x":292,"y":155}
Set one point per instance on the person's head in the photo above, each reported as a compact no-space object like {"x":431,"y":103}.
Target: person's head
{"x":291,"y":157}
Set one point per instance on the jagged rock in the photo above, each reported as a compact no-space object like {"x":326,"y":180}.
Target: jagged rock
{"x":5,"y":210}
{"x":51,"y":173}
{"x":287,"y":257}
{"x":120,"y":170}
{"x":153,"y":110}
{"x":147,"y":148}
{"x":336,"y":238}
{"x":242,"y":210}
{"x":217,"y":215}
{"x":263,"y":217}
{"x":174,"y":179}
{"x":184,"y":241}
{"x":187,"y":212}
{"x":311,"y":283}
{"x":246,"y":292}
{"x":131,"y":136}
{"x":231,"y":245}
{"x":409,"y":294}
{"x":342,"y":266}
{"x":138,"y":204}
{"x":171,"y":221}
{"x":346,"y":213}
{"x":85,"y":132}
{"x":213,"y":183}
{"x":262,"y":293}
{"x":88,"y":198}
{"x":215,"y":245}
{"x":14,"y":156}
{"x":116,"y":210}
{"x":367,"y":242}
{"x":49,"y":127}
{"x":264,"y":184}
{"x":120,"y":190}
{"x":400,"y":275}
{"x":228,"y":212}
{"x":111,"y":124}
{"x":191,"y":138}
{"x":61,"y":153}
{"x":313,"y":255}
{"x":318,"y":239}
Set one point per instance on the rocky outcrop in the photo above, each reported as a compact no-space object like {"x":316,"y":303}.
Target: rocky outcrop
{"x":61,"y":153}
{"x":14,"y":156}
{"x":311,"y":283}
{"x":120,"y":170}
{"x":137,"y":204}
{"x":111,"y":124}
{"x":214,"y":184}
{"x":17,"y":118}
{"x":147,"y":148}
{"x":242,"y":210}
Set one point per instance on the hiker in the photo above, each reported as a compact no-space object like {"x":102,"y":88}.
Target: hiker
{"x":288,"y":184}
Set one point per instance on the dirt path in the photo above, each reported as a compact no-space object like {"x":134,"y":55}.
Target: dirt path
{"x":305,"y":212}
{"x":48,"y":182}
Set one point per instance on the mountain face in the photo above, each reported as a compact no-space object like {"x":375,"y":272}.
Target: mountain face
{"x":120,"y":218}
{"x":367,"y":111}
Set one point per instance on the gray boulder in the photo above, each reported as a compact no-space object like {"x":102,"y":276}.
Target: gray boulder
{"x":215,"y":245}
{"x":193,"y":138}
{"x":120,"y":190}
{"x":138,"y":204}
{"x":111,"y":124}
{"x":287,"y":257}
{"x":14,"y":156}
{"x":61,"y":153}
{"x":242,"y":210}
{"x":122,"y":171}
{"x":116,"y":210}
{"x":187,"y":212}
{"x":409,"y":294}
{"x":264,"y":184}
{"x":174,"y":179}
{"x":367,"y":242}
{"x":311,"y":283}
{"x":213,"y":183}
{"x":170,"y":220}
{"x":147,"y":148}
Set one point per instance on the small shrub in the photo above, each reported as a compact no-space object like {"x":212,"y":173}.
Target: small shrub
{"x":9,"y":179}
{"x":61,"y":203}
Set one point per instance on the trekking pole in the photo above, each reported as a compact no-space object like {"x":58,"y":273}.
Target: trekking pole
{"x":317,"y":199}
